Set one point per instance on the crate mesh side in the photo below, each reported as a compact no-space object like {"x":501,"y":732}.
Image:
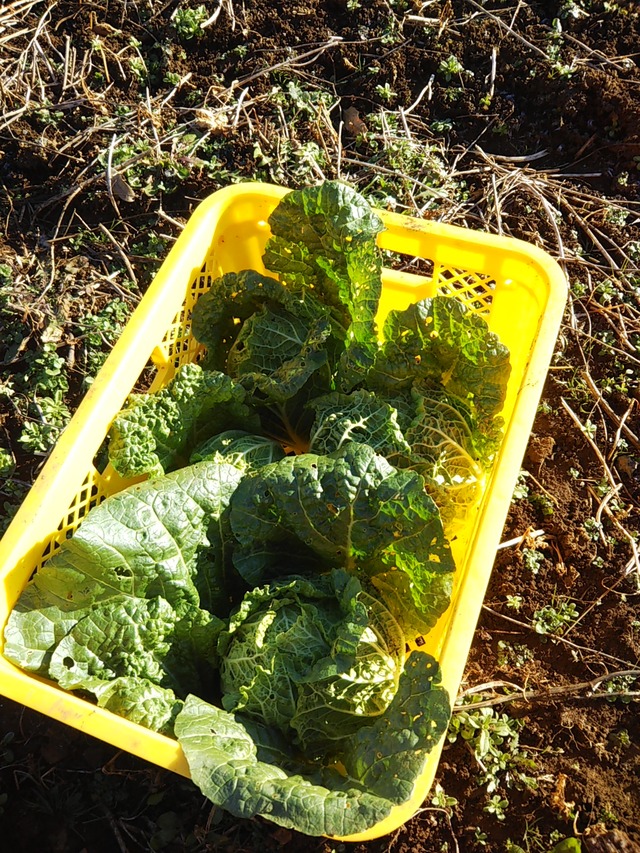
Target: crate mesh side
{"x":91,"y":494}
{"x":178,"y":344}
{"x":474,"y":289}
{"x":179,"y":348}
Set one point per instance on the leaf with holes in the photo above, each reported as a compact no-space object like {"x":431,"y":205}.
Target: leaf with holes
{"x":123,"y":597}
{"x":349,"y":509}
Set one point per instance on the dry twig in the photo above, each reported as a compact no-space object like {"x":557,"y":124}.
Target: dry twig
{"x":559,"y":638}
{"x":551,"y":693}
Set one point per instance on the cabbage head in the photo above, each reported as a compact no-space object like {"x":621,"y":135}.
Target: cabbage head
{"x":315,"y":658}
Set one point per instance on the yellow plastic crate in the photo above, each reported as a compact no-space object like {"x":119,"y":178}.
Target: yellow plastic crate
{"x":516,"y":287}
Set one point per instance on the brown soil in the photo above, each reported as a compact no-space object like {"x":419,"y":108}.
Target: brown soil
{"x":66,"y":792}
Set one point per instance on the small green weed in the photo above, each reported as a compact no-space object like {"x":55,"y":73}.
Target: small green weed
{"x":607,"y":815}
{"x":621,"y":739}
{"x":441,"y":799}
{"x":452,"y":67}
{"x":593,"y":528}
{"x":480,"y":837}
{"x":47,"y":117}
{"x":43,"y":385}
{"x":45,"y":371}
{"x":7,"y":463}
{"x":555,"y":44}
{"x":188,"y":22}
{"x":98,"y":332}
{"x":497,"y":806}
{"x":138,"y":69}
{"x":521,"y":489}
{"x":386,"y":93}
{"x":607,"y":292}
{"x":543,"y":502}
{"x":151,"y":246}
{"x":532,"y":559}
{"x":573,"y":9}
{"x":441,"y":125}
{"x":513,"y":654}
{"x":623,"y":684}
{"x":494,"y":740}
{"x":616,"y":215}
{"x":554,"y":618}
{"x":49,"y":416}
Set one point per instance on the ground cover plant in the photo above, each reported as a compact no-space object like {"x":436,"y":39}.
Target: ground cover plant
{"x":521,"y":119}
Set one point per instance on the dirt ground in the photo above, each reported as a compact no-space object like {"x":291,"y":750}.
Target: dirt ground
{"x":536,"y":134}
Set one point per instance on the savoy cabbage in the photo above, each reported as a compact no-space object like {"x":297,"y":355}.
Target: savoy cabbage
{"x":251,"y":769}
{"x":314,"y":657}
{"x":349,"y":509}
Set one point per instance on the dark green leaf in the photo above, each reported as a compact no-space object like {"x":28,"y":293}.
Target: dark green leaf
{"x":220,"y":313}
{"x":276,"y":353}
{"x":155,"y":432}
{"x":324,"y":238}
{"x":361,"y":417}
{"x":351,"y":509}
{"x":442,"y":344}
{"x":388,"y":756}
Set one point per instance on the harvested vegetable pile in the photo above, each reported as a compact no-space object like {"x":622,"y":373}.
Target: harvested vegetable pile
{"x":255,"y":595}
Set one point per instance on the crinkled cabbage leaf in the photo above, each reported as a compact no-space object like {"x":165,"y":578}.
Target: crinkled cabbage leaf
{"x":276,"y":353}
{"x":451,"y":452}
{"x":361,"y":417}
{"x":315,"y":657}
{"x":439,"y":343}
{"x":139,"y":700}
{"x":324,"y":238}
{"x":350,"y":509}
{"x":253,"y":450}
{"x":251,"y":769}
{"x":154,"y":433}
{"x":125,"y":596}
{"x":264,"y":336}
